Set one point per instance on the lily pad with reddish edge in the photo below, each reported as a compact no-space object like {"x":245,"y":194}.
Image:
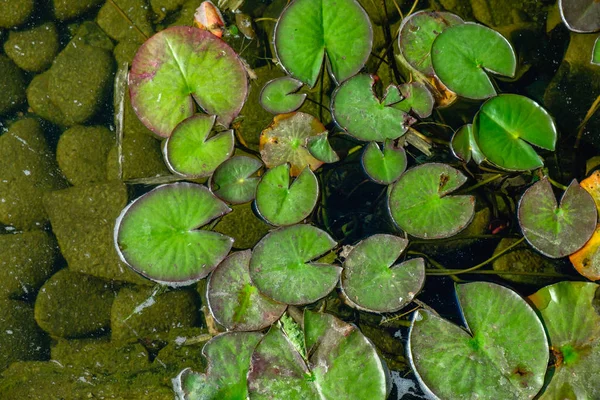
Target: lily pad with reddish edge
{"x":581,"y":16}
{"x":384,"y":167}
{"x":235,"y":302}
{"x":552,"y":229}
{"x":371,"y":281}
{"x":501,"y":353}
{"x":281,"y":266}
{"x":286,"y":141}
{"x":280,"y":203}
{"x":341,"y":364}
{"x":421,"y":203}
{"x":464,"y":147}
{"x":179,"y":65}
{"x":416,"y":98}
{"x":234,"y":180}
{"x":279,"y":96}
{"x":569,"y":311}
{"x":358,"y":111}
{"x":158,"y":234}
{"x":309,"y":30}
{"x":189,"y":152}
{"x":228,"y":357}
{"x":321,"y":149}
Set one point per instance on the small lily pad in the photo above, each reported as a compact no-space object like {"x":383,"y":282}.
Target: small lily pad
{"x":557,"y":230}
{"x":416,"y":98}
{"x":596,"y":52}
{"x":463,"y":54}
{"x":580,"y":15}
{"x":359,"y":112}
{"x":280,"y":203}
{"x":281,"y":265}
{"x":179,"y":65}
{"x":235,"y":302}
{"x":498,"y":355}
{"x":421,"y":205}
{"x":158,"y":234}
{"x":464,"y":146}
{"x":307,"y":30}
{"x":188,"y":152}
{"x":507,"y":125}
{"x":233,"y":181}
{"x":320,"y":148}
{"x":278,"y":95}
{"x":370,"y":281}
{"x":384,"y":167}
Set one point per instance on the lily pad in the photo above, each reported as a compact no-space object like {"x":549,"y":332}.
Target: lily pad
{"x":307,"y":30}
{"x":580,"y":15}
{"x":596,"y":52}
{"x":281,"y":266}
{"x":569,"y":311}
{"x":320,"y":148}
{"x":421,"y":205}
{"x":557,"y":230}
{"x":235,"y":302}
{"x":359,"y":112}
{"x":179,"y":65}
{"x":228,"y":357}
{"x":498,"y":355}
{"x":507,"y":125}
{"x":158,"y":234}
{"x":233,"y":181}
{"x":370,"y":281}
{"x":278,"y":95}
{"x":188,"y":152}
{"x":384,"y":167}
{"x":463,"y":54}
{"x":416,"y":99}
{"x":342,"y":364}
{"x":464,"y":146}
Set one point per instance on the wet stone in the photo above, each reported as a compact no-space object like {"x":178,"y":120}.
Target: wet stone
{"x":163,"y":7}
{"x":70,"y":9}
{"x":15,"y":12}
{"x":118,"y":28}
{"x":39,"y":100}
{"x":33,"y":49}
{"x":125,"y":51}
{"x":243,"y":226}
{"x":12,"y":85}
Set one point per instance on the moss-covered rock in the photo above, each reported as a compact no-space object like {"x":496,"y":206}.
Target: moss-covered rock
{"x":163,"y":7}
{"x":81,"y":153}
{"x":12,"y":85}
{"x":33,"y":49}
{"x":243,"y":226}
{"x":90,"y":33}
{"x":118,"y":28}
{"x":70,"y":9}
{"x":15,"y":12}
{"x":125,"y":51}
{"x":184,"y":349}
{"x":523,"y":259}
{"x":39,"y":100}
{"x":27,"y":171}
{"x":26,"y":261}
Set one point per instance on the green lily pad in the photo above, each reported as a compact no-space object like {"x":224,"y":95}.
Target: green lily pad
{"x":580,"y":15}
{"x":557,"y":231}
{"x":319,"y":148}
{"x":281,"y":269}
{"x":464,"y":147}
{"x":507,"y":125}
{"x":278,"y":95}
{"x":417,"y":33}
{"x":421,"y":205}
{"x":416,"y":98}
{"x":370,"y":281}
{"x":570,"y":313}
{"x":307,"y":30}
{"x":596,"y":52}
{"x":158,"y":234}
{"x":359,"y":112}
{"x":462,"y":54}
{"x":188,"y":152}
{"x":233,"y":181}
{"x":384,"y":167}
{"x":235,"y":302}
{"x":502,"y":352}
{"x":342,"y":364}
{"x":228,"y":357}
{"x":179,"y":65}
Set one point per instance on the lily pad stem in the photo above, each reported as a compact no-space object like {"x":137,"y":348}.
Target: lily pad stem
{"x":436,"y":264}
{"x":397,"y":317}
{"x":595,"y":105}
{"x":266,"y":19}
{"x":556,"y":184}
{"x":480,"y":183}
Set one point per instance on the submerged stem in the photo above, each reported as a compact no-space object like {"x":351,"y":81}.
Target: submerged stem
{"x":481,"y":183}
{"x":593,"y":108}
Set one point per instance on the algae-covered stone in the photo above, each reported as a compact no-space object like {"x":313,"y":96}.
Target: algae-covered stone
{"x":39,"y":100}
{"x":90,"y":33}
{"x":163,"y":7}
{"x":118,"y":27}
{"x":26,"y":261}
{"x":33,"y":49}
{"x":20,"y":337}
{"x":12,"y":85}
{"x":243,"y":226}
{"x":81,"y":153}
{"x":184,"y":349}
{"x":15,"y":12}
{"x":523,"y":259}
{"x":142,"y":311}
{"x":125,"y":51}
{"x":70,"y":9}
{"x":71,"y":304}
{"x":27,"y":170}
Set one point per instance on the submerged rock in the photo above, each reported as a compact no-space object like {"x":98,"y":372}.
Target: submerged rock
{"x":243,"y":226}
{"x":39,"y":100}
{"x":12,"y":85}
{"x":70,"y":9}
{"x":523,"y":259}
{"x":33,"y":49}
{"x":118,"y":28}
{"x":15,"y":12}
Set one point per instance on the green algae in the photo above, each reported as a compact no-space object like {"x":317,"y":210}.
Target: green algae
{"x":33,"y":49}
{"x":12,"y":85}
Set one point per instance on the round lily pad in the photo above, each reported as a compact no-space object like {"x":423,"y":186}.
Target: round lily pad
{"x":278,"y":95}
{"x":320,"y":148}
{"x":580,"y":15}
{"x":280,"y":203}
{"x":463,"y":54}
{"x":421,"y":205}
{"x":384,"y":167}
{"x":179,"y":65}
{"x":188,"y":152}
{"x":158,"y":234}
{"x":505,"y":128}
{"x":359,"y":112}
{"x":569,"y":311}
{"x":370,"y":280}
{"x":464,"y":147}
{"x":416,"y":98}
{"x":281,"y":266}
{"x":502,"y":352}
{"x":233,"y":181}
{"x":235,"y":302}
{"x":307,"y":30}
{"x":557,"y":230}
